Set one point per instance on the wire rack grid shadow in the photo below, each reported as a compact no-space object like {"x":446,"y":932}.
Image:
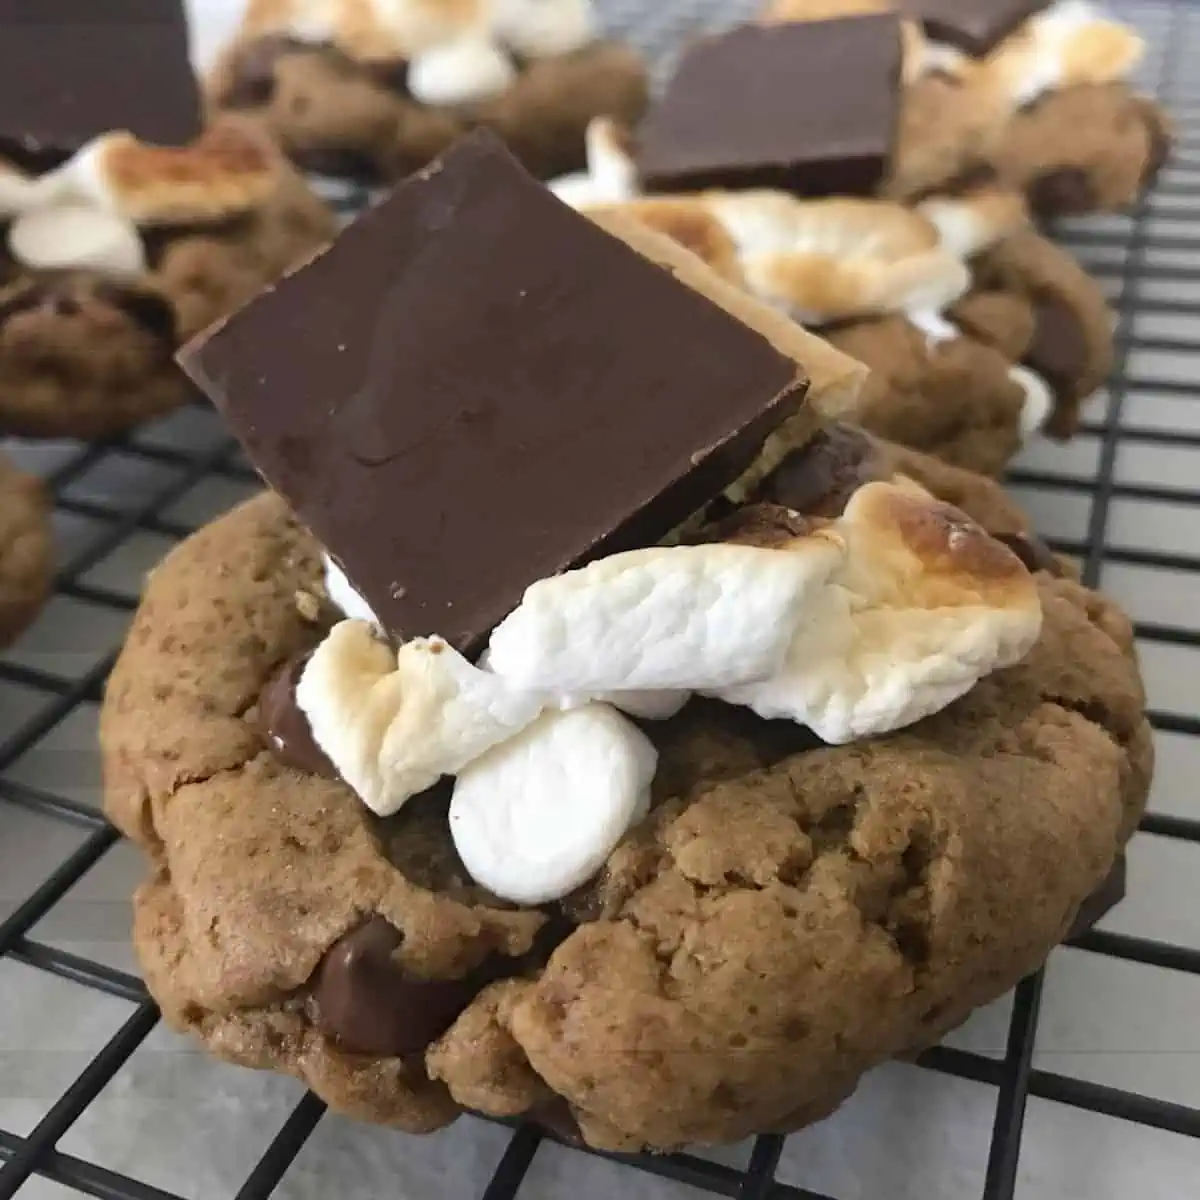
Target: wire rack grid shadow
{"x":1150,"y":264}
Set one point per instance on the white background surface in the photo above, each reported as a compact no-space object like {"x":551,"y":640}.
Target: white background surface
{"x":180,"y":1122}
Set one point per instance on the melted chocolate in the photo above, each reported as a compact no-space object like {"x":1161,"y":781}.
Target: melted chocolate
{"x":367,"y":1001}
{"x":1033,"y":552}
{"x":1062,"y":192}
{"x":1058,"y":351}
{"x":819,"y":479}
{"x":286,"y":727}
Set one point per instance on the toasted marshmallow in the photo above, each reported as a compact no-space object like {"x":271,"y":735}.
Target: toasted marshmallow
{"x":826,"y":260}
{"x":611,"y":175}
{"x":394,"y":724}
{"x":223,"y":173}
{"x":1039,"y":400}
{"x":1068,"y":44}
{"x":73,"y":237}
{"x":461,"y":72}
{"x":665,"y":618}
{"x":345,"y":595}
{"x":538,"y":816}
{"x":543,"y":28}
{"x":925,"y":605}
{"x":968,"y":225}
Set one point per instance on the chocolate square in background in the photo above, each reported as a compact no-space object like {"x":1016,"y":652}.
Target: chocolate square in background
{"x":73,"y":69}
{"x":475,"y":388}
{"x":811,"y":108}
{"x":976,"y":26}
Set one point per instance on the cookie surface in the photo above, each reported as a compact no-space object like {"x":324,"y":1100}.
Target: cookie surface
{"x":26,"y":558}
{"x":339,"y":116}
{"x":85,"y":355}
{"x":787,"y":916}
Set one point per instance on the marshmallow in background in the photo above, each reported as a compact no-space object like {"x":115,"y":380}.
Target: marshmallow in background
{"x":394,"y":723}
{"x":1039,"y":400}
{"x":662,"y":619}
{"x":538,"y":816}
{"x":925,"y":605}
{"x":460,"y":72}
{"x":73,"y":237}
{"x":543,"y":28}
{"x":611,"y":175}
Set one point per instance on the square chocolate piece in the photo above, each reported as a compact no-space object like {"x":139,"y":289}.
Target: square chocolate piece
{"x":810,"y":108}
{"x":73,"y":69}
{"x":474,"y":388}
{"x":975,"y":26}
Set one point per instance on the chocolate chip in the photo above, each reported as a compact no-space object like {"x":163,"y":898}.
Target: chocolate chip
{"x":1062,"y":192}
{"x":286,"y":727}
{"x":1033,"y":552}
{"x":556,"y":1118}
{"x":1058,"y":351}
{"x":372,"y":1005}
{"x":762,"y":525}
{"x":819,"y":479}
{"x":150,"y":312}
{"x":253,"y":82}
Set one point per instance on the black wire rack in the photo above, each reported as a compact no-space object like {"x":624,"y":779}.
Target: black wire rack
{"x":1150,"y":264}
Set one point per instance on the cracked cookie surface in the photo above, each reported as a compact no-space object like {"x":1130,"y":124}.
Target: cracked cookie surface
{"x":788,"y":915}
{"x":26,"y":555}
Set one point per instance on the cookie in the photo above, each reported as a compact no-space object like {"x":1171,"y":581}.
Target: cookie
{"x":1038,"y":307}
{"x":373,"y":95}
{"x":95,"y":297}
{"x":271,"y":925}
{"x":1047,"y":109}
{"x":882,"y":282}
{"x":26,"y":557}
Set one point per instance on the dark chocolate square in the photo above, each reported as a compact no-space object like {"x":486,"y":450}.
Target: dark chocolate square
{"x":73,"y":69}
{"x":810,"y":107}
{"x":975,"y":26}
{"x":475,"y":388}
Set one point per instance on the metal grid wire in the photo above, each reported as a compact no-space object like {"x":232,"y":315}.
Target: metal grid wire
{"x":1150,"y":264}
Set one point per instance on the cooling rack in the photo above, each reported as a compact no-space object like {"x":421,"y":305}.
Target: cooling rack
{"x":89,"y":1080}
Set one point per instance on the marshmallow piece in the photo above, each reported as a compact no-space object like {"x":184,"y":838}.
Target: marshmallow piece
{"x":18,"y":192}
{"x":665,"y":618}
{"x":460,"y":72}
{"x":393,"y":725}
{"x":924,"y":607}
{"x":1068,"y":44}
{"x":825,"y":260}
{"x":934,"y":326}
{"x":968,"y":225}
{"x":611,"y":175}
{"x":223,"y":173}
{"x":544,"y":28}
{"x":1039,"y":400}
{"x":72,"y":237}
{"x":345,"y":596}
{"x":537,"y":817}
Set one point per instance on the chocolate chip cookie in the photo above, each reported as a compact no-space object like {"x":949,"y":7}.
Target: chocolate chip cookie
{"x":86,"y":350}
{"x":787,"y":916}
{"x":338,"y":115}
{"x":26,"y":559}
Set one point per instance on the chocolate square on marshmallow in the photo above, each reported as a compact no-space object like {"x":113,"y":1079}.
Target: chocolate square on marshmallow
{"x":976,"y":26}
{"x":810,"y":108}
{"x":474,"y":388}
{"x":71,"y":70}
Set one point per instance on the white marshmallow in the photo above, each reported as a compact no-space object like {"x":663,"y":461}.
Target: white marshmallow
{"x":664,"y":618}
{"x":460,"y":72}
{"x":544,"y":28}
{"x":934,"y":326}
{"x":538,"y":816}
{"x":1039,"y":400}
{"x":611,"y":175}
{"x":961,"y":228}
{"x":394,"y":725}
{"x":345,"y":596}
{"x":75,"y":237}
